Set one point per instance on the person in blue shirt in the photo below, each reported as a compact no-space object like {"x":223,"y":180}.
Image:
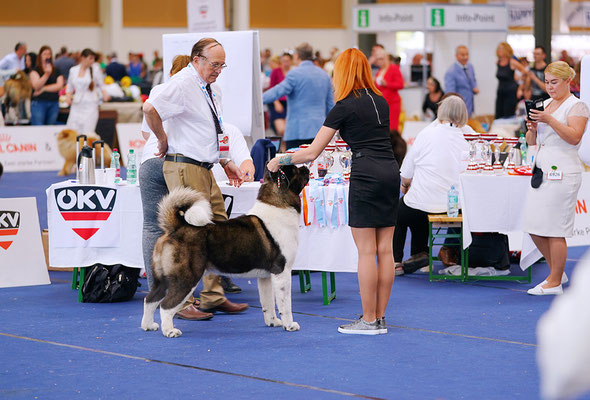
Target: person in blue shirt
{"x":460,"y":78}
{"x":309,"y":98}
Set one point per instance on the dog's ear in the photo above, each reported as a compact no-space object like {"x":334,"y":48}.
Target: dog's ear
{"x":299,"y":180}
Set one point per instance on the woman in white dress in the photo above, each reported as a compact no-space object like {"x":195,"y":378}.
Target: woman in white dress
{"x":85,"y":91}
{"x":550,"y":209}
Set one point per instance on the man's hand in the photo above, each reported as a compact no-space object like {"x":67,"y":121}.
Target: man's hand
{"x":234,"y":174}
{"x":247,"y":168}
{"x":475,"y":90}
{"x":162,"y":147}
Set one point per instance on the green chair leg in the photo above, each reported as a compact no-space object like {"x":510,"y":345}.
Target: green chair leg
{"x":74,"y":278}
{"x":304,"y":281}
{"x":328,"y":297}
{"x":81,"y":284}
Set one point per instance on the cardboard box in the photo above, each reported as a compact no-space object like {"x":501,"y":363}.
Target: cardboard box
{"x":45,"y":240}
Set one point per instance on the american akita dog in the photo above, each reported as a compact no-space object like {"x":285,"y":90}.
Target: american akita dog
{"x":262,"y":243}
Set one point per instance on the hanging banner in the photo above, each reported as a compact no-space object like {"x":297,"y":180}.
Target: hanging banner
{"x":22,"y":261}
{"x":473,"y":17}
{"x":30,"y":148}
{"x":577,"y":14}
{"x":379,"y":18}
{"x":521,"y":14}
{"x":205,"y":15}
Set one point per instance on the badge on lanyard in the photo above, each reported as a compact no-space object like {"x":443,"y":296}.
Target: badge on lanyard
{"x":554,"y":174}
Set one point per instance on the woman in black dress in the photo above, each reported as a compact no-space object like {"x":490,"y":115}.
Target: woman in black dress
{"x":506,"y":99}
{"x":362,"y":116}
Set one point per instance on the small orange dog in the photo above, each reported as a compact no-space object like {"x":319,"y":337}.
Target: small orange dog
{"x":66,"y":143}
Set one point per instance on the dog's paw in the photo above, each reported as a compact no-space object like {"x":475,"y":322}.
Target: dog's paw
{"x":172,"y":333}
{"x":293,"y":326}
{"x":273,"y":322}
{"x":150,"y":327}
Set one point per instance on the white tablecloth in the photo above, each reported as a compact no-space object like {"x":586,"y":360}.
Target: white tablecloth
{"x":320,"y":249}
{"x":496,"y":204}
{"x":80,"y":253}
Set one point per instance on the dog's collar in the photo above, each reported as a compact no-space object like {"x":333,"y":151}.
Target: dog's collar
{"x":282,"y":175}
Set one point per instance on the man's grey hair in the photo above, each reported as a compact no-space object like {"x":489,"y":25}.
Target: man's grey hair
{"x":304,"y":51}
{"x":453,"y":109}
{"x":461,"y":46}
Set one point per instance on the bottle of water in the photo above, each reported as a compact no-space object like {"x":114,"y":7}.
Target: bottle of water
{"x":452,"y":202}
{"x":523,"y":148}
{"x":116,"y":163}
{"x":131,"y":168}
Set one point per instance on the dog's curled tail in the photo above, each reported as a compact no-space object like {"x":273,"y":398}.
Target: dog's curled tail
{"x":183,"y":205}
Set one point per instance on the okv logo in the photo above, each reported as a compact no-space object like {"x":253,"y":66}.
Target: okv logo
{"x":437,"y":17}
{"x":9,"y":224}
{"x":363,"y":18}
{"x":86,"y":207}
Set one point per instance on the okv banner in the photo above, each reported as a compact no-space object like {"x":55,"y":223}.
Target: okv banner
{"x":22,"y":261}
{"x":84,"y":216}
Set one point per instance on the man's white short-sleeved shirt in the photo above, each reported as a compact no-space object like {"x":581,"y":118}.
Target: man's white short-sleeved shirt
{"x":189,"y":122}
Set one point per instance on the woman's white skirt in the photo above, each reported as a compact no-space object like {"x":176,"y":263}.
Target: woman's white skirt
{"x":83,"y":117}
{"x":551,"y":208}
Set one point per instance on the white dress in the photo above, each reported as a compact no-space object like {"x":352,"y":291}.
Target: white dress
{"x":84,"y":110}
{"x":550,"y":209}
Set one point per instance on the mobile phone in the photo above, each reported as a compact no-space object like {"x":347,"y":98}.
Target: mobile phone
{"x":533,"y":105}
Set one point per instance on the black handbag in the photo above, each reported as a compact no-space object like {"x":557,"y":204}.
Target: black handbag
{"x":109,"y":283}
{"x":537,"y":177}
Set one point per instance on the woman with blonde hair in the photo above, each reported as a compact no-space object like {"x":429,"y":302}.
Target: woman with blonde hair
{"x":506,"y":99}
{"x":362,"y":116}
{"x":557,"y":173}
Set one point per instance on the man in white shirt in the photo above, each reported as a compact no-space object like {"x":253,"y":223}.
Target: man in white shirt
{"x":14,"y":61}
{"x":190,"y":143}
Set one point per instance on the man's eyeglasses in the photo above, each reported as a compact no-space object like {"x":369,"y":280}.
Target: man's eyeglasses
{"x":215,"y":66}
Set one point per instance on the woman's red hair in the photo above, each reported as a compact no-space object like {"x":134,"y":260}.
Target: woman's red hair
{"x":352,"y":72}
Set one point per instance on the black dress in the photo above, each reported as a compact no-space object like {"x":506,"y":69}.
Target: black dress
{"x":363,"y":121}
{"x":506,"y":95}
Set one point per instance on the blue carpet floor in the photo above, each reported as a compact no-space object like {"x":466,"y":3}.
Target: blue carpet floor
{"x":446,"y":340}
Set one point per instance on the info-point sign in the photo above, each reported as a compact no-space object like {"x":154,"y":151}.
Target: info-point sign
{"x":22,"y":261}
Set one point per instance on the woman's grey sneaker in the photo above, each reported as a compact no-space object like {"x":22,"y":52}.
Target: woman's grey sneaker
{"x":360,"y":327}
{"x":382,"y":326}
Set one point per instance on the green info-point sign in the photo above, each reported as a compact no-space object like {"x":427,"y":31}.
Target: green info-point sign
{"x":437,"y":17}
{"x":363,"y":18}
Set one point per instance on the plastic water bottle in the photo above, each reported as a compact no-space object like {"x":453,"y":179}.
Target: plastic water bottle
{"x":116,"y":163}
{"x":131,"y":168}
{"x":523,"y":148}
{"x":452,"y":202}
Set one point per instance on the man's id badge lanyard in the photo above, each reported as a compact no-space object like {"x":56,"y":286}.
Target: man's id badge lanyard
{"x":222,"y":137}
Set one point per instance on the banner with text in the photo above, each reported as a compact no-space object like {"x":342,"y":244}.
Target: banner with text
{"x":129,"y":136}
{"x":30,"y":148}
{"x":472,"y":17}
{"x":379,"y":18}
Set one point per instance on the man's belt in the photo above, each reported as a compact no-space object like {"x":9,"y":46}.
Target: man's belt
{"x":182,"y":159}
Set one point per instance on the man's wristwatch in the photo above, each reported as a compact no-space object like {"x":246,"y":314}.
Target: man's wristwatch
{"x":224,"y":162}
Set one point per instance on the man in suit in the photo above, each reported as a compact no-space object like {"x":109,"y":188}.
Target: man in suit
{"x":460,"y":78}
{"x":309,"y":98}
{"x":115,"y":69}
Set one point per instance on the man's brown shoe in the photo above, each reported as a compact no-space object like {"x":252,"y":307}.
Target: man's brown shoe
{"x":192,"y":313}
{"x":228,"y":307}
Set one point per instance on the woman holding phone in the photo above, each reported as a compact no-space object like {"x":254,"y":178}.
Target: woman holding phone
{"x":47,"y":82}
{"x":362,"y":116}
{"x":557,"y":131}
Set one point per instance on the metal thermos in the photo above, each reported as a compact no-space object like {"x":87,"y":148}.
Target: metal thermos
{"x":78,"y":153}
{"x":86,"y":166}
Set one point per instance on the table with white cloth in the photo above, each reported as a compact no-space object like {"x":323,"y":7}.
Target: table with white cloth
{"x":87,"y":228}
{"x":327,"y":249}
{"x":496,"y":203}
